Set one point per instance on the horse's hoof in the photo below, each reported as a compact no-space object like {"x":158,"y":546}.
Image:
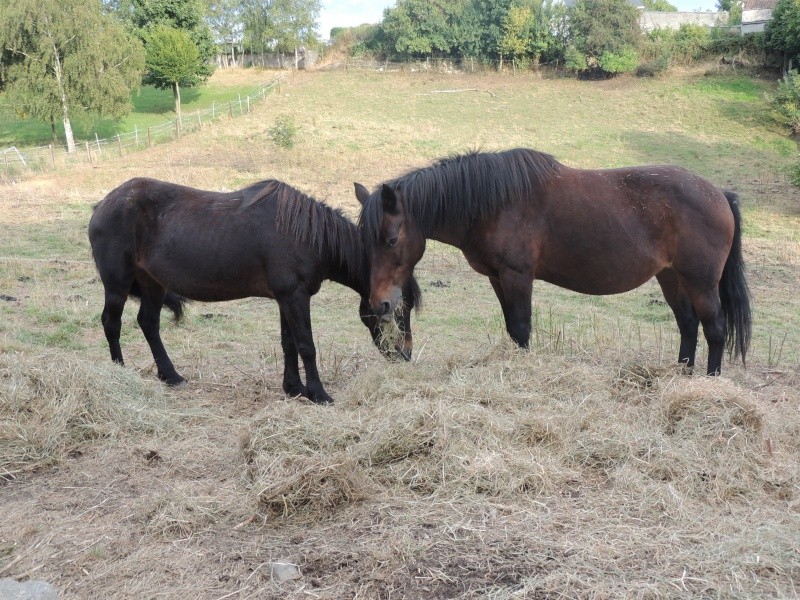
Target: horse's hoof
{"x":322,"y":399}
{"x":178,"y":383}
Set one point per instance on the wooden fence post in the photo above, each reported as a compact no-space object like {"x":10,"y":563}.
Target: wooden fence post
{"x":213,"y":112}
{"x":248,"y":105}
{"x":97,"y":139}
{"x":136,"y":130}
{"x":149,"y":141}
{"x":88,"y":152}
{"x":240,"y":103}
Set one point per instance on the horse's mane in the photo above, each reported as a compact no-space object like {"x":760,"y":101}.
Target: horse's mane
{"x":312,"y":222}
{"x":459,"y":189}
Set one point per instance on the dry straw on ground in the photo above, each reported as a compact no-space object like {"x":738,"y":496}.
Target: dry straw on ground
{"x":52,"y":405}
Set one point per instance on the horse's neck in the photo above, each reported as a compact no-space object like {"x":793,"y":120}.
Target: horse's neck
{"x":349,"y":271}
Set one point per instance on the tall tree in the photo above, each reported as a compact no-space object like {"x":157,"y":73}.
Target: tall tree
{"x":226,"y":22}
{"x":173,"y":60}
{"x":70,"y":59}
{"x":604,"y":28}
{"x":516,"y":31}
{"x":733,"y":8}
{"x":280,"y":25}
{"x":142,"y":16}
{"x":418,"y":28}
{"x":783,"y":31}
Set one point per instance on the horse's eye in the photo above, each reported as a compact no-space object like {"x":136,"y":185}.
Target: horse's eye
{"x":391,"y":243}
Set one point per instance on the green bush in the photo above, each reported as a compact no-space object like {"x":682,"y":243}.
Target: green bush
{"x":692,"y":41}
{"x":623,"y":62}
{"x":786,"y":103}
{"x":574,"y":59}
{"x":284,"y":132}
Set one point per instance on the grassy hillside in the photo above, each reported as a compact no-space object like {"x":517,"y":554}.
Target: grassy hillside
{"x":151,"y":107}
{"x":587,"y":467}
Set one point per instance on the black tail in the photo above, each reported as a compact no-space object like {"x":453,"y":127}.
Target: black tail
{"x":733,"y":290}
{"x":174,"y":302}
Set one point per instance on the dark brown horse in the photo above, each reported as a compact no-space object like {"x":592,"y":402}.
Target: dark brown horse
{"x":520,"y":215}
{"x":164,"y":243}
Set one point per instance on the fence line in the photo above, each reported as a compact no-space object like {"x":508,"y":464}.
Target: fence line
{"x":45,"y":158}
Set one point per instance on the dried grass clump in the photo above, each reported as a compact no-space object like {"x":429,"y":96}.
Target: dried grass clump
{"x":715,"y":439}
{"x":179,"y":515}
{"x":310,"y":487}
{"x":298,"y":462}
{"x":54,"y":404}
{"x":297,"y":429}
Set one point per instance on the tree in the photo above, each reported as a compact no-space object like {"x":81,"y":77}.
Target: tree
{"x":418,"y":28}
{"x":607,"y":29}
{"x":280,"y":25}
{"x":225,"y":20}
{"x":733,"y":8}
{"x":783,"y":31}
{"x":142,"y":16}
{"x":173,"y":60}
{"x":516,"y":31}
{"x":661,"y":6}
{"x":70,"y":59}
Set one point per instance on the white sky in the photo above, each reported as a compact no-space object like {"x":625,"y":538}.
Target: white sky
{"x":347,"y":13}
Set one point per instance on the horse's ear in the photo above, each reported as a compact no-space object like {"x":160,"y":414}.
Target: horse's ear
{"x":362,"y":193}
{"x":389,"y":199}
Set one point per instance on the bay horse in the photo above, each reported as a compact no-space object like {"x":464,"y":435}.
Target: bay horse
{"x":165,"y":243}
{"x":520,"y":215}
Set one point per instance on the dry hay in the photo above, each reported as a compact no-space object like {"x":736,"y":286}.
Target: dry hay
{"x":559,"y":477}
{"x":52,"y":405}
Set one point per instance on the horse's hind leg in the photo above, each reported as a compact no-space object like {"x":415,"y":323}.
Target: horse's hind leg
{"x":292,"y":384}
{"x":112,"y":321}
{"x":149,"y":319}
{"x":685,"y":315}
{"x":708,"y":307}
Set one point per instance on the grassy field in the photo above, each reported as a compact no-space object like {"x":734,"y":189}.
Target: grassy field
{"x":151,"y":107}
{"x":587,"y":467}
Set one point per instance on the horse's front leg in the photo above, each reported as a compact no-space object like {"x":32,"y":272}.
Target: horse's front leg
{"x":514,"y":292}
{"x":297,"y":309}
{"x":292,"y":384}
{"x":149,"y":321}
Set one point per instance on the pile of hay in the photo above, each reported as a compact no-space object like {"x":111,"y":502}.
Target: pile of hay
{"x":609,"y":472}
{"x":52,"y":405}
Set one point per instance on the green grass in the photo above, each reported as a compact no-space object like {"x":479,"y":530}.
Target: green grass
{"x":151,"y":106}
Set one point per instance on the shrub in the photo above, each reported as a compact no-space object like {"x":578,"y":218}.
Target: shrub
{"x":653,"y":68}
{"x":786,"y":103}
{"x":284,"y":132}
{"x":623,"y":62}
{"x":574,"y":59}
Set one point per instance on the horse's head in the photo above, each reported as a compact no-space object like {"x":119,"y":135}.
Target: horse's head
{"x":394,"y":245}
{"x":391,"y":334}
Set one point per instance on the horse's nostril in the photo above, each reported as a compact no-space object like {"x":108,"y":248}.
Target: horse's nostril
{"x":384,"y":308}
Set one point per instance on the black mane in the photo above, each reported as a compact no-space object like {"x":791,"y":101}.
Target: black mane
{"x":312,"y":222}
{"x":462,"y":188}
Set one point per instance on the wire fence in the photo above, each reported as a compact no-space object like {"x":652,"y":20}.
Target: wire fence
{"x":51,"y":157}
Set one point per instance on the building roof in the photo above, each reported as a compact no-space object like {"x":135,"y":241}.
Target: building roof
{"x":759,"y":4}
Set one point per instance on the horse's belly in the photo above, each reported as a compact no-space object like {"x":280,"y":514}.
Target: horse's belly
{"x":600,"y":282}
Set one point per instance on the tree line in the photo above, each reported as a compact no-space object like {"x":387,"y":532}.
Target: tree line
{"x":600,"y":37}
{"x":83,"y":58}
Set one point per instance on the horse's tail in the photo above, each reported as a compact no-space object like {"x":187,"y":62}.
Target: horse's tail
{"x":733,"y":290}
{"x":172,"y":301}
